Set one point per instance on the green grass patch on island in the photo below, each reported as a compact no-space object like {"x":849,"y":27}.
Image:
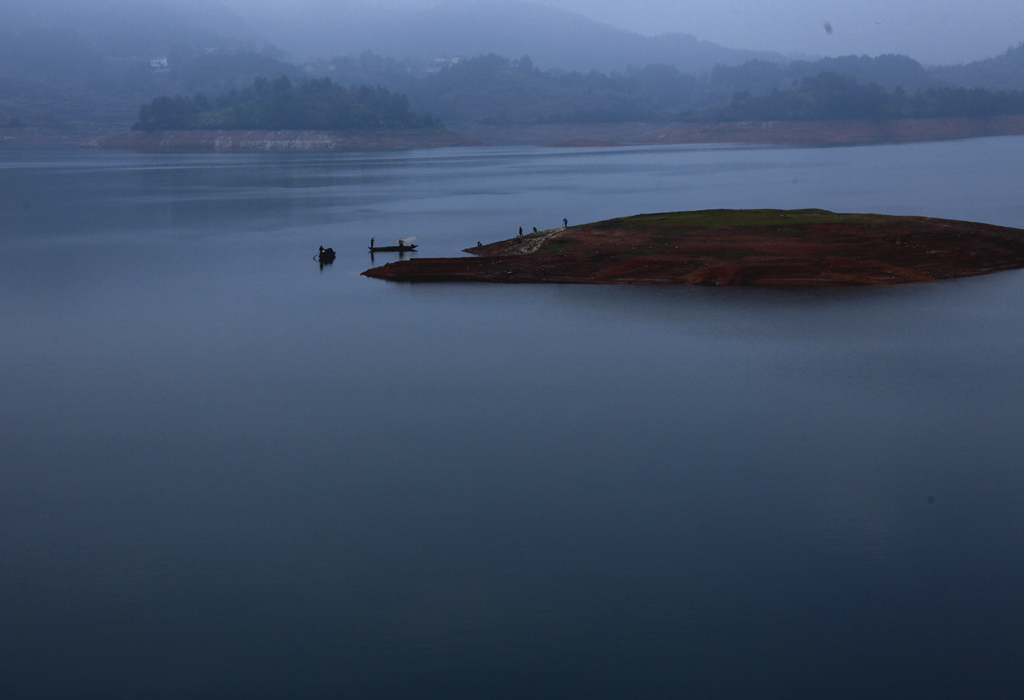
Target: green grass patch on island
{"x":724,"y":219}
{"x":559,"y":245}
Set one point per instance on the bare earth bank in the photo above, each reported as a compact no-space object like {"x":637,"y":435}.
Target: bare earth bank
{"x":837,"y":133}
{"x":248,"y":141}
{"x":816,"y":133}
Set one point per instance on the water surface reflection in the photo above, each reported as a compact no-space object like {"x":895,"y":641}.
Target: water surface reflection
{"x":228,"y":473}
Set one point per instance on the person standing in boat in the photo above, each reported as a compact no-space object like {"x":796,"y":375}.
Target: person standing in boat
{"x":371,"y":242}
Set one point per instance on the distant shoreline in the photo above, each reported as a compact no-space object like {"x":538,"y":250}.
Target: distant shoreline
{"x":778,"y":133}
{"x":276,"y":141}
{"x":837,"y":133}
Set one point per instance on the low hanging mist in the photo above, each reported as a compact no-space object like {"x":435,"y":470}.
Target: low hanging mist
{"x":938,"y":32}
{"x":90,"y":65}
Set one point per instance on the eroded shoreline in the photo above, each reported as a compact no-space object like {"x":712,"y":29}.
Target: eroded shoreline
{"x":277,"y":141}
{"x":779,"y":133}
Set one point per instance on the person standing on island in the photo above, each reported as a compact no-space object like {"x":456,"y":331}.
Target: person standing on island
{"x":520,"y":231}
{"x":565,"y":223}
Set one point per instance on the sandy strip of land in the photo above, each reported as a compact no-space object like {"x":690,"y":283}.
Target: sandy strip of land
{"x":253,"y":141}
{"x":836,"y":133}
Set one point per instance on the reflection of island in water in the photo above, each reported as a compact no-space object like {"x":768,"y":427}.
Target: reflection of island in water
{"x":758,"y":247}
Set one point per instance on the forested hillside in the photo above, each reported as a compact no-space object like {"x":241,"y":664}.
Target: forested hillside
{"x":314,"y":104}
{"x":90,"y":72}
{"x":495,"y":90}
{"x":1003,"y":72}
{"x":835,"y":97}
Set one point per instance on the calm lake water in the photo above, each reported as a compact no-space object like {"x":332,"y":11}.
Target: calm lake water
{"x":228,"y":473}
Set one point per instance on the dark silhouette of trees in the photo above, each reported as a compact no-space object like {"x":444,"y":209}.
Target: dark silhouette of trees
{"x":496,"y":90}
{"x":314,"y":104}
{"x":837,"y":97}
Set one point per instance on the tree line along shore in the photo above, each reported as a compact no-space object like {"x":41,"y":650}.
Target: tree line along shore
{"x":489,"y":99}
{"x":490,"y":90}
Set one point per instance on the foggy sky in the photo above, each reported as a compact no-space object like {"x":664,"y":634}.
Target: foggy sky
{"x":931,"y":31}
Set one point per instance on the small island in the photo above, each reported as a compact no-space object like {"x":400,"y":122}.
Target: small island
{"x":734,"y":247}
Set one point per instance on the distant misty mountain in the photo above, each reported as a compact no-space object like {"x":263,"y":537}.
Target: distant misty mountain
{"x":125,"y":28}
{"x":495,"y":90}
{"x":90,"y":63}
{"x":1003,"y":72}
{"x":551,"y":38}
{"x":761,"y":77}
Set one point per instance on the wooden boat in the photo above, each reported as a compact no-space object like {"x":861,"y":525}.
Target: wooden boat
{"x":391,"y":248}
{"x":404,"y":244}
{"x":326,"y":255}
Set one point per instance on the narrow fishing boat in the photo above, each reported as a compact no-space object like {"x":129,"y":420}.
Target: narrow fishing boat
{"x":407,"y":243}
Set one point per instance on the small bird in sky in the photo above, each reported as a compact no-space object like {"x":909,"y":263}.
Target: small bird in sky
{"x":828,"y":27}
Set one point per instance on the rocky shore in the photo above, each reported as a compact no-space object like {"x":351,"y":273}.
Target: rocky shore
{"x":765,"y":247}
